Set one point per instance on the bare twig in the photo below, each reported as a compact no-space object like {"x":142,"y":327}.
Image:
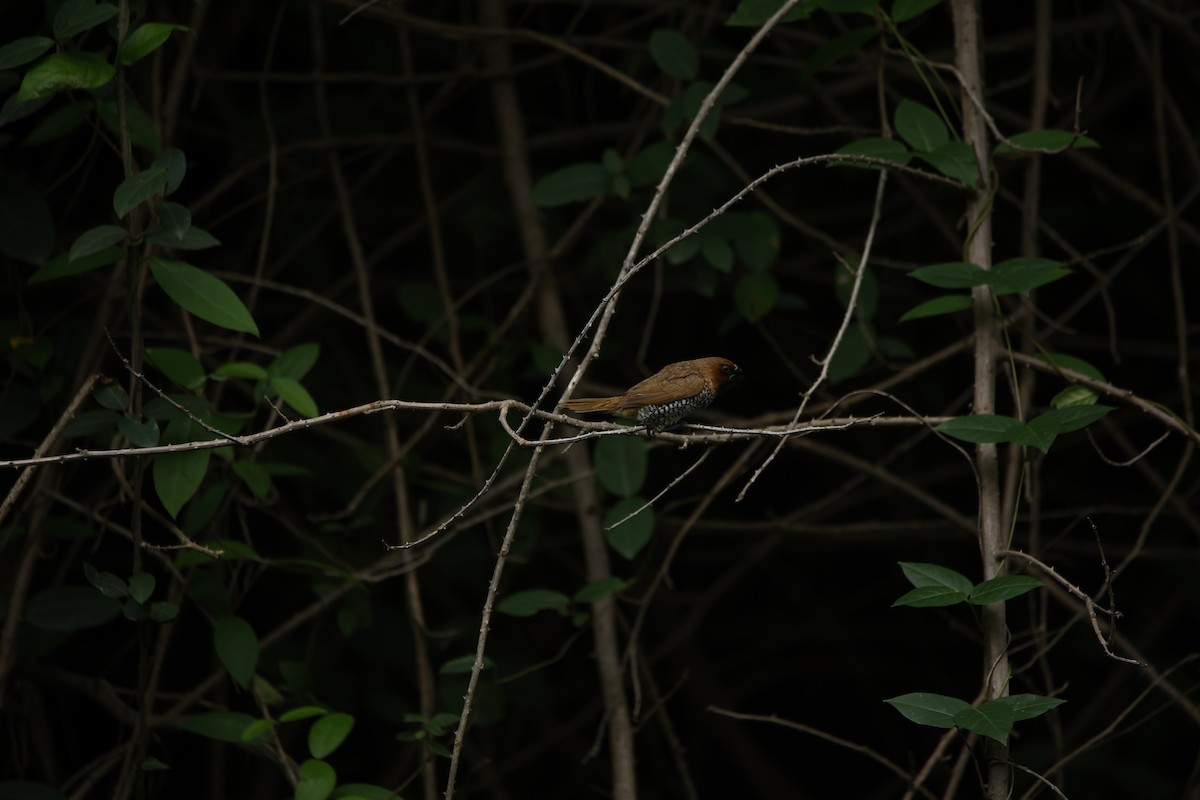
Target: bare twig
{"x":1083,"y":597}
{"x":674,"y":481}
{"x":862,"y":749}
{"x":851,"y":308}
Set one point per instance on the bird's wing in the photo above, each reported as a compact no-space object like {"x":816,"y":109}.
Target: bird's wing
{"x":664,"y":387}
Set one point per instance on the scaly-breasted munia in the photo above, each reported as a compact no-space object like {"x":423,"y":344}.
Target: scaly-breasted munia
{"x":668,"y":395}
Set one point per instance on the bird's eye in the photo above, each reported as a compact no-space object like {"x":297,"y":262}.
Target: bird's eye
{"x":724,"y":368}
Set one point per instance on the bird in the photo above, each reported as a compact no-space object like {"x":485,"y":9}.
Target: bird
{"x":667,"y":396}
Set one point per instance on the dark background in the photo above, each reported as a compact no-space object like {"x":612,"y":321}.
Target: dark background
{"x":777,"y":605}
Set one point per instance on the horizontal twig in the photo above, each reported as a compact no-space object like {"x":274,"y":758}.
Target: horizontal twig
{"x":503,"y":407}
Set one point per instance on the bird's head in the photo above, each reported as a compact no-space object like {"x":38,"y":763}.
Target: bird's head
{"x":723,"y":372}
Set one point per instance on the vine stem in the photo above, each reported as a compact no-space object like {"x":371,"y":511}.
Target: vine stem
{"x":968,"y":54}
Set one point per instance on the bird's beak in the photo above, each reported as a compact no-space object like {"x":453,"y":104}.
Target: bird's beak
{"x":737,"y":374}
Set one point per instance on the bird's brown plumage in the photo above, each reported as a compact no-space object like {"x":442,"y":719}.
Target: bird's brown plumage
{"x":668,"y":395}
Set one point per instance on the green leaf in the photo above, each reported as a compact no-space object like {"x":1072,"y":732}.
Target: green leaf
{"x":173,"y":219}
{"x":755,"y":295}
{"x":620,"y":463}
{"x":295,"y":362}
{"x":207,"y":297}
{"x":688,"y":106}
{"x":13,"y":109}
{"x":1006,"y":587}
{"x":570,"y":185}
{"x":531,"y":601}
{"x":1072,"y":363}
{"x":240,"y":369}
{"x":77,"y":16}
{"x":237,"y":647}
{"x":317,"y":780}
{"x":753,"y":13}
{"x":296,"y":396}
{"x":611,"y":161}
{"x":895,"y":348}
{"x":836,"y":49}
{"x":231,"y":549}
{"x":303,"y":712}
{"x":96,"y":239}
{"x":1040,"y":435}
{"x":634,"y":533}
{"x":133,"y":610}
{"x":868,"y":291}
{"x":258,"y":729}
{"x":981,"y":428}
{"x":904,"y":10}
{"x":853,"y":353}
{"x":142,"y":433}
{"x":70,"y":608}
{"x":848,"y":6}
{"x":946,"y":304}
{"x":682,"y":251}
{"x":1074,"y":396}
{"x":920,"y":126}
{"x":674,"y":54}
{"x":1023,"y":274}
{"x":620,"y":187}
{"x":954,"y":275}
{"x":929,"y":597}
{"x":920,"y":574}
{"x":60,"y":71}
{"x":224,"y":726}
{"x":144,"y":40}
{"x":142,"y":131}
{"x":163,"y":612}
{"x":58,"y":123}
{"x":1028,"y":706}
{"x":650,"y":164}
{"x":988,"y":719}
{"x":192,"y":239}
{"x":328,"y":733}
{"x":92,"y":423}
{"x":177,"y":476}
{"x":1053,"y":140}
{"x":601,"y":588}
{"x":462,"y":666}
{"x":756,"y":237}
{"x":141,"y":586}
{"x":22,"y":51}
{"x":718,"y":252}
{"x":1067,"y":420}
{"x":139,"y":188}
{"x":1030,"y":434}
{"x":954,"y":160}
{"x":925,"y":708}
{"x":112,"y":396}
{"x":175,"y":163}
{"x":180,"y":366}
{"x":255,"y":476}
{"x":884,"y":149}
{"x":109,"y":584}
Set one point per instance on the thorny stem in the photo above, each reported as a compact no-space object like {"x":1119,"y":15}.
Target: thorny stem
{"x":968,"y":56}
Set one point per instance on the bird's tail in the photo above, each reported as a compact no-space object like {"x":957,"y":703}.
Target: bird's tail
{"x":587,"y":405}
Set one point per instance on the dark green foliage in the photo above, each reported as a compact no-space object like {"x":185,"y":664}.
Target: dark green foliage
{"x":238,"y":228}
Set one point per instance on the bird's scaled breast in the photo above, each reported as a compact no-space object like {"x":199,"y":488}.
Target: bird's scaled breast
{"x":663,"y":415}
